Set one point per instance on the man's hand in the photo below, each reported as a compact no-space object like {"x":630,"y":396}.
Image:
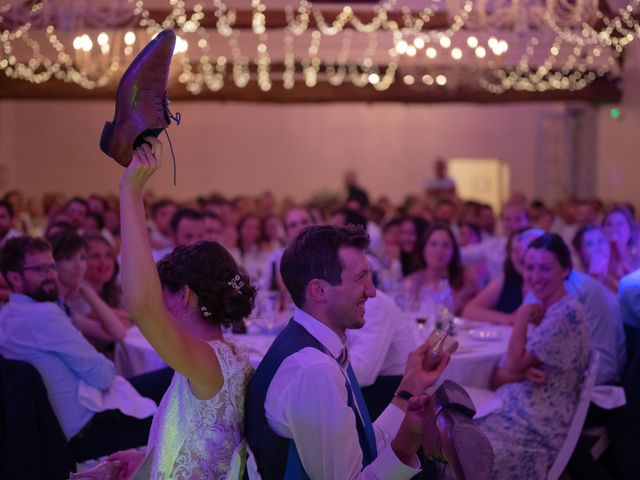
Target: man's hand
{"x":417,"y":376}
{"x":146,"y":160}
{"x":409,"y":437}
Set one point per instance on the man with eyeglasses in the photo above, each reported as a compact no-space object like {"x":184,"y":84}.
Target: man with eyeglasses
{"x":35,"y":329}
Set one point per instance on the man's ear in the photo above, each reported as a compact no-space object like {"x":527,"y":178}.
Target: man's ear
{"x":14,"y":280}
{"x":316,"y":290}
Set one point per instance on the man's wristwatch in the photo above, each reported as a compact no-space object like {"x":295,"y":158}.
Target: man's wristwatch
{"x":403,"y":394}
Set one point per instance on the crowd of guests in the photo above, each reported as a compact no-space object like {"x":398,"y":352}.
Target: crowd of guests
{"x":562,"y":277}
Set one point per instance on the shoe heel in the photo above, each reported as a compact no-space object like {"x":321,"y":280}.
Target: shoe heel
{"x":453,"y":396}
{"x":105,"y":138}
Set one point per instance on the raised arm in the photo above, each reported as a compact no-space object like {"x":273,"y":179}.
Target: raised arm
{"x":142,"y":292}
{"x":482,"y":307}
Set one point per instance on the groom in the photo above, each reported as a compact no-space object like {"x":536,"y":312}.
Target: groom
{"x":305,"y":415}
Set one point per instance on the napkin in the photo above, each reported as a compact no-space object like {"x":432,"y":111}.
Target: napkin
{"x":119,"y":396}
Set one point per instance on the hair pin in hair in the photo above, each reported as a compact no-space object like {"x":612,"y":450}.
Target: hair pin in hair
{"x":236,"y":283}
{"x":205,"y":312}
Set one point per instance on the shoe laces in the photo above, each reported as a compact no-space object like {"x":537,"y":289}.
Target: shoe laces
{"x":166,"y":112}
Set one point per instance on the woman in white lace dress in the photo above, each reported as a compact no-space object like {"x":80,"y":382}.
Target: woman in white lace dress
{"x":180,"y":307}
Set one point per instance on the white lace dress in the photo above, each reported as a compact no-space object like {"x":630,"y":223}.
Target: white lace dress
{"x":192,"y":438}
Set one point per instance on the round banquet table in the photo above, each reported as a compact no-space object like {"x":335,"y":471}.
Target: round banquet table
{"x":481,"y":346}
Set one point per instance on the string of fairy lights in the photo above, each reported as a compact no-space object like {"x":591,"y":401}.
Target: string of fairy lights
{"x":552,"y":45}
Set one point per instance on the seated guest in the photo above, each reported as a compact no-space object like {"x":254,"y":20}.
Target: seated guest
{"x":295,"y":220}
{"x":90,"y":314}
{"x":540,"y":378}
{"x":271,"y":234}
{"x":411,"y":230}
{"x":621,"y":230}
{"x":7,"y":232}
{"x":470,"y":234}
{"x":75,"y":211}
{"x":497,"y":302}
{"x":382,"y":345}
{"x":251,"y":257}
{"x":181,"y":308}
{"x":7,"y":228}
{"x":213,"y":227}
{"x":34,"y":329}
{"x":390,"y":273}
{"x":160,"y":231}
{"x":305,"y":414}
{"x":492,"y":251}
{"x":187,"y":228}
{"x":440,"y":259}
{"x":606,"y":334}
{"x":594,"y":251}
{"x":102,"y":274}
{"x":487,"y":219}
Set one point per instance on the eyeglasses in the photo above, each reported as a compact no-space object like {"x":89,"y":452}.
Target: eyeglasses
{"x":43,"y":268}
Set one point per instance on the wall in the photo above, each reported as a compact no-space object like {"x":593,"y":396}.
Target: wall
{"x":291,"y":149}
{"x":619,"y":139}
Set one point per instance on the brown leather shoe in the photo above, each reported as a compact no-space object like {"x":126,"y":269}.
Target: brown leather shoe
{"x":141,"y":100}
{"x":451,"y":437}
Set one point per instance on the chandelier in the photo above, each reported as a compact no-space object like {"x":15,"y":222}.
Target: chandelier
{"x":498,"y":45}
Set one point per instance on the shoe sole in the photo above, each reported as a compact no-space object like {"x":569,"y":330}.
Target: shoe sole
{"x":472,"y":447}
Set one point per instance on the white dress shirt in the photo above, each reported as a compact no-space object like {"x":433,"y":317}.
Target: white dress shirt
{"x":492,"y":251}
{"x":382,"y":346}
{"x":307,"y":402}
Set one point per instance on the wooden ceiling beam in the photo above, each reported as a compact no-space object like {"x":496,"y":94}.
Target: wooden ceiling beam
{"x":601,"y":91}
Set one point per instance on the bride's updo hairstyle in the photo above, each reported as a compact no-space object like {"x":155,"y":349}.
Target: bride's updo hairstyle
{"x":225,"y":294}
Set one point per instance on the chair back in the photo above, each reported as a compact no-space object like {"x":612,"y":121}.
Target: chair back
{"x":578,"y":418}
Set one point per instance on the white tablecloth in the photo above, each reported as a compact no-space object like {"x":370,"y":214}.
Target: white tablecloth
{"x":475,"y":360}
{"x":471,"y":365}
{"x":135,"y":355}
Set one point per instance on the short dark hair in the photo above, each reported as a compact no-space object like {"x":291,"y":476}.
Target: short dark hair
{"x":351,"y":217}
{"x":207,"y":214}
{"x":59,"y":226}
{"x":7,"y":206}
{"x":156,"y":206}
{"x":578,"y":238}
{"x":66,"y":244}
{"x":315,"y":254}
{"x":552,"y":242}
{"x":210,"y":271}
{"x":99,"y":219}
{"x":79,"y":200}
{"x":184,"y":213}
{"x":15,"y":251}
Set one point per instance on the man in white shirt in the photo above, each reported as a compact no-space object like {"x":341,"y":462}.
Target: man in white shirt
{"x":305,"y":415}
{"x":493,"y":250}
{"x":382,"y":346}
{"x":35,"y":329}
